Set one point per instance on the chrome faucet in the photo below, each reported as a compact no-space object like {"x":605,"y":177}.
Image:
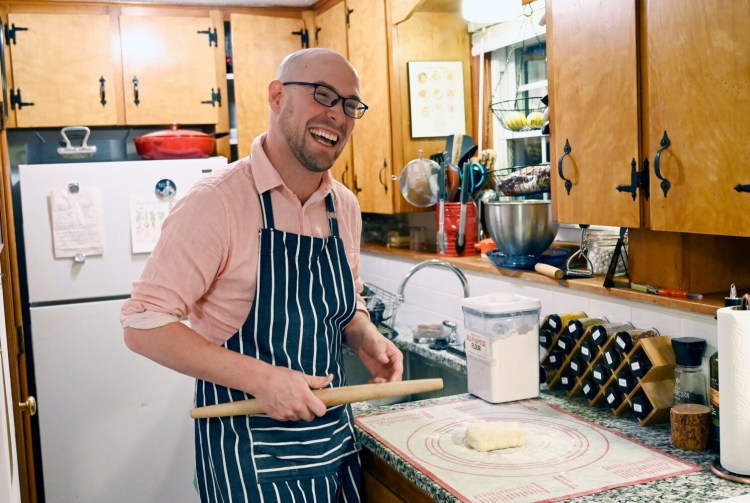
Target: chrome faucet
{"x":433,"y":263}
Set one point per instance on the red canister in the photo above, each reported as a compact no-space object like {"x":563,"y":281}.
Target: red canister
{"x":452,"y":221}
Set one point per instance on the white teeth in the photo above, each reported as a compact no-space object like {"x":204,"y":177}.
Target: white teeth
{"x":328,"y":136}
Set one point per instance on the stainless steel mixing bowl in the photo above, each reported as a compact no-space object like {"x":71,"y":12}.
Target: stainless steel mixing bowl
{"x":523,"y":227}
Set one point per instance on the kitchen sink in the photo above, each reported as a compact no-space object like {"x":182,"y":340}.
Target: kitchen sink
{"x":415,"y":367}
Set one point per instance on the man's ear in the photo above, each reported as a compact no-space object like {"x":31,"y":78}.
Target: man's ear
{"x":275,"y":89}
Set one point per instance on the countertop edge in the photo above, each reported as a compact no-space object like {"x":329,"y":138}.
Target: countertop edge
{"x":707,"y":306}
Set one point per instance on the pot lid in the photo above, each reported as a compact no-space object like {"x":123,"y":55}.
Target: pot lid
{"x":175,"y":131}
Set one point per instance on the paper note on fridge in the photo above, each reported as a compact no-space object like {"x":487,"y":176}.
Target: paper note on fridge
{"x":76,"y":222}
{"x":146,"y":217}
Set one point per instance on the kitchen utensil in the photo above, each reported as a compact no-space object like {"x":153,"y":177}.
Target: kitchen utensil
{"x":521,"y":228}
{"x":581,"y":253}
{"x":419,"y":181}
{"x":329,"y":396}
{"x":175,"y":143}
{"x":441,"y":240}
{"x":70,"y":151}
{"x":461,"y":236}
{"x":549,"y":270}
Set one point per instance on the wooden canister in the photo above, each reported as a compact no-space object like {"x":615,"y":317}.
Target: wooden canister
{"x":690,"y":426}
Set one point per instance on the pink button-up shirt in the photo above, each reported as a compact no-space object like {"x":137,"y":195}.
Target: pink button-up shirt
{"x":205,"y":263}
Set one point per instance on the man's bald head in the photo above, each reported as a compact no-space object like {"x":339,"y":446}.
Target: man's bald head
{"x":299,"y":63}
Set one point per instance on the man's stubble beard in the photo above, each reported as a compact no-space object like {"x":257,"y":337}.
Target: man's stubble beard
{"x":297,"y":145}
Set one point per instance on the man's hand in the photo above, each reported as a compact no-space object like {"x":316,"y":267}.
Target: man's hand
{"x":380,"y":355}
{"x":286,"y":395}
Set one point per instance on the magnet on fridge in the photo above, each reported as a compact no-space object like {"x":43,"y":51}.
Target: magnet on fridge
{"x":165,"y":189}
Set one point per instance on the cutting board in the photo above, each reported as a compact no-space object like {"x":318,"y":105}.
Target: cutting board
{"x":564,"y":455}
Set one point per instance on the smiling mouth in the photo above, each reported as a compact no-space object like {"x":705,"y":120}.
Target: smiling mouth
{"x":324,"y":137}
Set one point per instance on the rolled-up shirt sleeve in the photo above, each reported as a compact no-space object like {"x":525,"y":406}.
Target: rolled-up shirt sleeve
{"x":187,"y":260}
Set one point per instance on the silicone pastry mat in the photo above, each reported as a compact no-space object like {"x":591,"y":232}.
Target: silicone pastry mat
{"x":564,"y":455}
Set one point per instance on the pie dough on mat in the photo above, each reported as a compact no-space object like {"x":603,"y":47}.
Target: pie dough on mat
{"x":493,"y":435}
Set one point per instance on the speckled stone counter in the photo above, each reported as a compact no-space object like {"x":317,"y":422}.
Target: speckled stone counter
{"x":696,"y":487}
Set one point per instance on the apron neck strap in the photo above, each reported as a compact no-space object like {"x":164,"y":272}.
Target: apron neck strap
{"x":267,"y":209}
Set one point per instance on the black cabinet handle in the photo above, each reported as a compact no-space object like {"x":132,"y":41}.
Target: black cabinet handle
{"x":380,"y":176}
{"x":665,"y":143}
{"x":136,"y":91}
{"x":567,"y":149}
{"x":102,"y":91}
{"x":343,"y":175}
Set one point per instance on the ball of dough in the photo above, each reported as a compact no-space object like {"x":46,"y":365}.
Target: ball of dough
{"x":493,"y":435}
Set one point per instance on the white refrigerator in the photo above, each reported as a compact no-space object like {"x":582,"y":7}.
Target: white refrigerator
{"x":113,"y":425}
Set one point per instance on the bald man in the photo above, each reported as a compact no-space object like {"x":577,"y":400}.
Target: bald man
{"x":263,"y":258}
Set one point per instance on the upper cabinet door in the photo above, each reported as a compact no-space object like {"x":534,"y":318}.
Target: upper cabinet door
{"x":169,"y":69}
{"x":62,"y":70}
{"x":593,"y":73}
{"x":696,"y":89}
{"x":331,"y":33}
{"x":259,"y":43}
{"x":371,"y":139}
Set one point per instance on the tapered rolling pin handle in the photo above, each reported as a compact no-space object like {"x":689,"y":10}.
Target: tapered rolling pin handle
{"x":549,"y":271}
{"x":329,"y":396}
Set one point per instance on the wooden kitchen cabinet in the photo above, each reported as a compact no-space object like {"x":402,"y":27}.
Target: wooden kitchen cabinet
{"x":62,"y":70}
{"x":169,"y":69}
{"x":621,"y":75}
{"x":78,"y":68}
{"x":330,"y":33}
{"x":381,"y":143}
{"x":259,"y":43}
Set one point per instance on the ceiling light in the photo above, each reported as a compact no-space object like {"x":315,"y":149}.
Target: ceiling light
{"x":490,"y":11}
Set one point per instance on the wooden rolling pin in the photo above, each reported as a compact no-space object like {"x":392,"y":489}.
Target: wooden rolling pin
{"x":329,"y":396}
{"x":549,"y":270}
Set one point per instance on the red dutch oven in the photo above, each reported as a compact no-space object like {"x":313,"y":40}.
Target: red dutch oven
{"x":175,"y":143}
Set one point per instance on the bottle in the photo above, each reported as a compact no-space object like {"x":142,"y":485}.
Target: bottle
{"x":546,"y":336}
{"x":625,"y":381}
{"x":600,"y":373}
{"x":689,"y":379}
{"x":639,"y":365}
{"x":556,"y":358}
{"x":641,"y":405}
{"x":613,"y":397}
{"x":556,"y":322}
{"x":576,"y":366}
{"x":626,"y":339}
{"x":601,"y":333}
{"x":578,"y":326}
{"x":714,"y":399}
{"x":587,"y":352}
{"x":566,"y":342}
{"x":567,"y":379}
{"x":612,"y":357}
{"x":589,"y":388}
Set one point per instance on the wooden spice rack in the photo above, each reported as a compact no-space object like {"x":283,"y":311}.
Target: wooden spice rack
{"x":657,"y":384}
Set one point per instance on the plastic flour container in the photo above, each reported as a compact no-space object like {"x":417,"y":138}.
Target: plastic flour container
{"x":502,"y":346}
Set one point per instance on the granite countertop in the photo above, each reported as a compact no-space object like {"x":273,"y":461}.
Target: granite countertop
{"x":702,"y":486}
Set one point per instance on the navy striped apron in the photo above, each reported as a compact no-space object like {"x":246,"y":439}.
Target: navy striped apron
{"x":303,"y":300}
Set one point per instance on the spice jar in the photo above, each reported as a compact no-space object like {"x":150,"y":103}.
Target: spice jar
{"x":689,"y":379}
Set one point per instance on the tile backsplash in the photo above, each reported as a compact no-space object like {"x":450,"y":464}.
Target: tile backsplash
{"x":434,"y":294}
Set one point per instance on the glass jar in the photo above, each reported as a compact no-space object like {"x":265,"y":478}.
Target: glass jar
{"x":600,"y":248}
{"x":689,"y":378}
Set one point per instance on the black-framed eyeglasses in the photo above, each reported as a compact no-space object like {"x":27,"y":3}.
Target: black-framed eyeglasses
{"x":328,"y":98}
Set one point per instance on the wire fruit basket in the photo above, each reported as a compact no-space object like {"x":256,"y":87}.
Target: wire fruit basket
{"x":382,"y":306}
{"x":522,"y":180}
{"x":523,"y":114}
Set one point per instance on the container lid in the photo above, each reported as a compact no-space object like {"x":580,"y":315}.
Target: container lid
{"x":688,"y":351}
{"x":501,"y":303}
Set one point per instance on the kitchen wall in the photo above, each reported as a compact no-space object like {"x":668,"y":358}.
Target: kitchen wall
{"x":433,"y":295}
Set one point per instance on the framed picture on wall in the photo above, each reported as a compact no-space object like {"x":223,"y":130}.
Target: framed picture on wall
{"x":436,"y":98}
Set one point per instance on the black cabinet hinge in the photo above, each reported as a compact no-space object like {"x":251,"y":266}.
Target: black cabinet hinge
{"x":10,"y":32}
{"x":215,"y":98}
{"x":17,"y":101}
{"x":638,"y":180}
{"x":213,"y":38}
{"x":304,"y":38}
